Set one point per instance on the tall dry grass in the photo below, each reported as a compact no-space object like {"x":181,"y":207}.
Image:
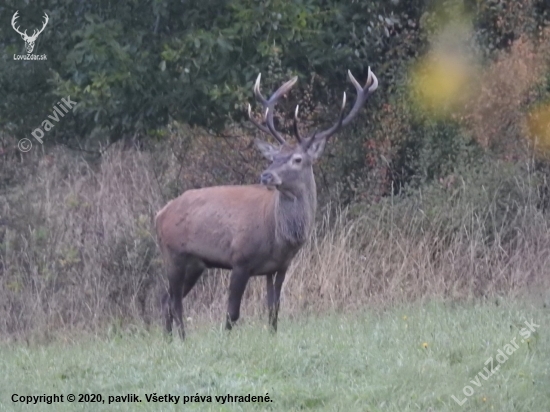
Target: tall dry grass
{"x":78,"y":250}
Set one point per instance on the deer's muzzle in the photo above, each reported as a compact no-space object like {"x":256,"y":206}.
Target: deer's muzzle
{"x":270,"y":179}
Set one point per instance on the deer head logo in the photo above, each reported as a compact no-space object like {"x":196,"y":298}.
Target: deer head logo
{"x":29,"y":40}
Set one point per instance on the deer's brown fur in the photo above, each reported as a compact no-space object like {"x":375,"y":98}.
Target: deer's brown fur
{"x":252,"y":230}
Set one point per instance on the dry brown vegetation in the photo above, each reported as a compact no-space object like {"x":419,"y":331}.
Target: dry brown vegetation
{"x":78,"y":249}
{"x":495,"y":114}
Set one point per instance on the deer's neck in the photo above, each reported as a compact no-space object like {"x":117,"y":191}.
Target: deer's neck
{"x":295,"y":212}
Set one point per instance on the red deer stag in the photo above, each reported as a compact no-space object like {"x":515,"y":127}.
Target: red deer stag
{"x":254,"y":229}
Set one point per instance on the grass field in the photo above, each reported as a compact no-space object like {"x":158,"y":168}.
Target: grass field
{"x":413,"y":358}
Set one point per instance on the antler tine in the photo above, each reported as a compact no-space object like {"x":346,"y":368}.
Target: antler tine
{"x":269,"y":106}
{"x":271,"y":128}
{"x":329,"y":132}
{"x":255,"y":123}
{"x":13,"y":22}
{"x":296,"y":131}
{"x":363,"y":94}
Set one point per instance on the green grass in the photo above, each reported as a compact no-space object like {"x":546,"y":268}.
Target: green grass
{"x":339,"y":362}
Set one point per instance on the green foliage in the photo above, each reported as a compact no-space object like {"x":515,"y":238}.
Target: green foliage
{"x":133,"y":65}
{"x":434,"y":149}
{"x":499,"y":23}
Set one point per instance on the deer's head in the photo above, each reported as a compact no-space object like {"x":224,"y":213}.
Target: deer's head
{"x":291,"y":165}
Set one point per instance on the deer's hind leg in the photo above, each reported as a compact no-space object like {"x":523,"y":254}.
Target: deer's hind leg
{"x":180,"y":284}
{"x":181,"y":279}
{"x":172,"y":305}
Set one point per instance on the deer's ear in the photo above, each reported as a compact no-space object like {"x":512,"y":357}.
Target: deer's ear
{"x":268,"y":150}
{"x":315,"y":149}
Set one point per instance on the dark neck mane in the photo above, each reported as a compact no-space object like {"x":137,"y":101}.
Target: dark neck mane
{"x":295,"y":213}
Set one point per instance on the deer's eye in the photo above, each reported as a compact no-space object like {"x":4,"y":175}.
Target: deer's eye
{"x":297,"y":160}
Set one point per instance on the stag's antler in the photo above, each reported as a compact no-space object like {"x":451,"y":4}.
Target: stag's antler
{"x":269,"y":106}
{"x":363,"y":94}
{"x":296,"y":130}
